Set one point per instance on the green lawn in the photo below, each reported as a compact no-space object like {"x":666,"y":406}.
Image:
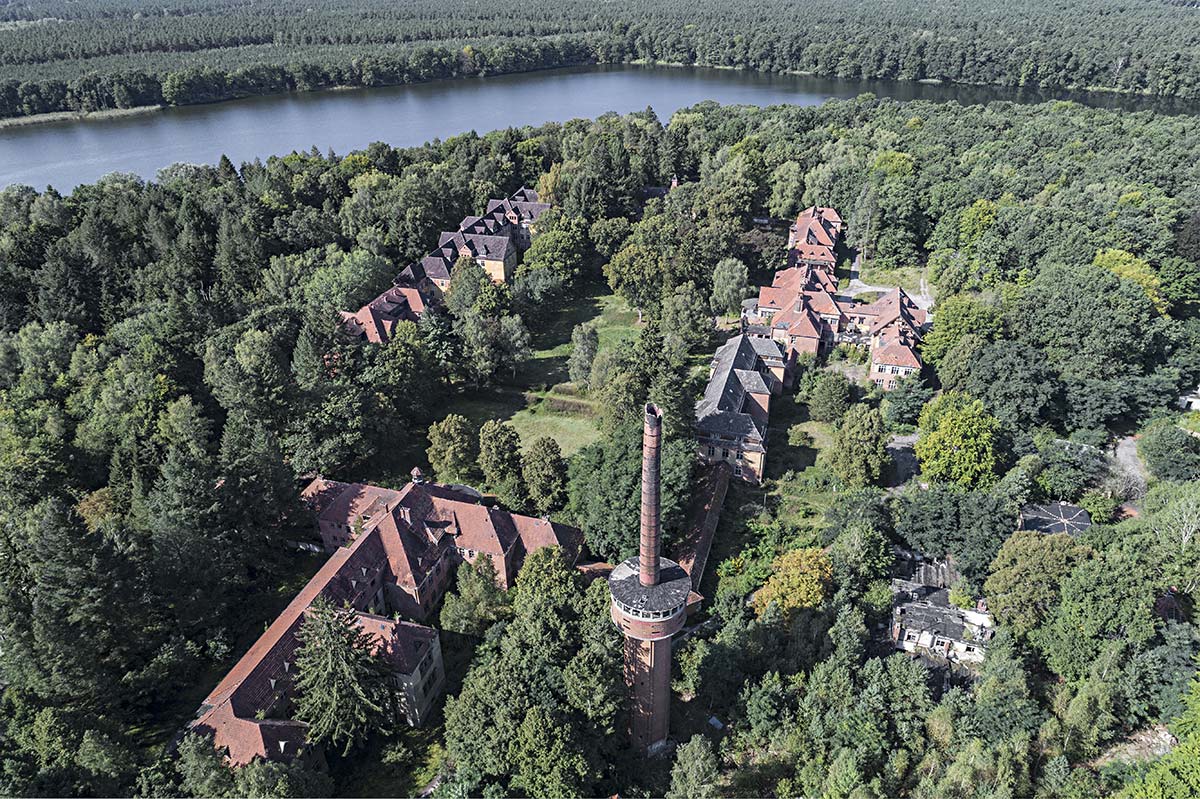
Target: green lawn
{"x":909,"y":277}
{"x":539,"y":400}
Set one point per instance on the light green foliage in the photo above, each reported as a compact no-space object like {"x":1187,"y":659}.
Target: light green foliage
{"x":799,"y":437}
{"x":585,"y":343}
{"x":799,"y":579}
{"x":1023,"y":587}
{"x":1128,"y":266}
{"x":957,"y":317}
{"x":686,"y":318}
{"x":959,"y":441}
{"x":694,"y":775}
{"x":560,"y":248}
{"x":1105,"y":598}
{"x":453,"y":448}
{"x":729,"y":286}
{"x":546,"y":760}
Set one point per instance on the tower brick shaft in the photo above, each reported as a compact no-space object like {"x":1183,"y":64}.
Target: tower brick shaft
{"x":651,"y":468}
{"x":649,"y":597}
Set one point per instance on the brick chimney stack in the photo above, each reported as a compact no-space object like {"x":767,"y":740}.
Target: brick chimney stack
{"x":651,"y":468}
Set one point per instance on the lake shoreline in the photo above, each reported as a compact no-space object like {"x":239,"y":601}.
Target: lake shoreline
{"x":54,"y":150}
{"x":79,"y":116}
{"x":1100,"y":97}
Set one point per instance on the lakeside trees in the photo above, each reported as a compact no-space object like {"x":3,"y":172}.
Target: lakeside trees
{"x":125,"y":53}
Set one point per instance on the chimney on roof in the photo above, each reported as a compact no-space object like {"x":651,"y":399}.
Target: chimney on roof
{"x":650,"y":530}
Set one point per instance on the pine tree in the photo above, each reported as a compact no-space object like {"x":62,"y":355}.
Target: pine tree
{"x":342,"y":688}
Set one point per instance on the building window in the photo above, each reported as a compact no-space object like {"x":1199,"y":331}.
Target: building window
{"x":712,"y":451}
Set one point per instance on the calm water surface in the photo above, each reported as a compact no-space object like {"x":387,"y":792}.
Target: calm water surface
{"x":67,"y":154}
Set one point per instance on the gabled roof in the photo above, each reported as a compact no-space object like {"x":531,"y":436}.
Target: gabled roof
{"x":896,"y":353}
{"x":376,"y":321}
{"x":735,"y":374}
{"x":803,"y":251}
{"x":400,"y":536}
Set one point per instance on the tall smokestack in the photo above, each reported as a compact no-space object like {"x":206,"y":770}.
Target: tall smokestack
{"x":650,"y":533}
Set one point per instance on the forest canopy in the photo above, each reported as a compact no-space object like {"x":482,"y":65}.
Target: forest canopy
{"x":171,"y":362}
{"x":58,"y":56}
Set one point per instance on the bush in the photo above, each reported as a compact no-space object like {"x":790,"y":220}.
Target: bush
{"x":1101,"y":507}
{"x":799,"y":437}
{"x":1170,"y":452}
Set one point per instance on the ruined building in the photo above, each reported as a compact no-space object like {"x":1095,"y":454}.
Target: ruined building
{"x":649,"y":601}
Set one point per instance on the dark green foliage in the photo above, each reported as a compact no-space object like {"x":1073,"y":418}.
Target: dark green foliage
{"x":605,"y":490}
{"x":453,"y":449}
{"x":477,"y":601}
{"x":969,"y":526}
{"x":343,"y":689}
{"x":500,"y":462}
{"x":859,"y":454}
{"x":545,"y":474}
{"x":541,"y":703}
{"x":830,"y":397}
{"x":902,"y":405}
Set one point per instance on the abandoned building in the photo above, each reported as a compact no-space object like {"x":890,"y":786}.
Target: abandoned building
{"x":924,"y":622}
{"x":803,"y":312}
{"x":731,"y":418}
{"x":494,"y":240}
{"x":392,"y":554}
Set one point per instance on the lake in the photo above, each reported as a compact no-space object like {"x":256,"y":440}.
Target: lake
{"x":66,"y":154}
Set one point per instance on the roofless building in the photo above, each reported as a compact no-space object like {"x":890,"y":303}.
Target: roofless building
{"x":649,"y":600}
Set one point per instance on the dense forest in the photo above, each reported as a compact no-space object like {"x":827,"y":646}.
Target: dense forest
{"x":67,"y":56}
{"x":171,"y":363}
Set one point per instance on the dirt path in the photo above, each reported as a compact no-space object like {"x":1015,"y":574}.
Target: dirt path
{"x":1127,"y":456}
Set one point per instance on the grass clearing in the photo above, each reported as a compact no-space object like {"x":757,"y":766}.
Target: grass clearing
{"x":539,"y":400}
{"x":909,"y":277}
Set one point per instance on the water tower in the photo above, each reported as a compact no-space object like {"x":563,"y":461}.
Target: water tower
{"x":649,"y":601}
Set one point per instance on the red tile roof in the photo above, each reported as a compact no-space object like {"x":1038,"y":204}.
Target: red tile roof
{"x":896,"y":353}
{"x":402,"y":535}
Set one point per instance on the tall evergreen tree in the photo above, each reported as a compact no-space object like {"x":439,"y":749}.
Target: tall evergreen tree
{"x":343,"y":690}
